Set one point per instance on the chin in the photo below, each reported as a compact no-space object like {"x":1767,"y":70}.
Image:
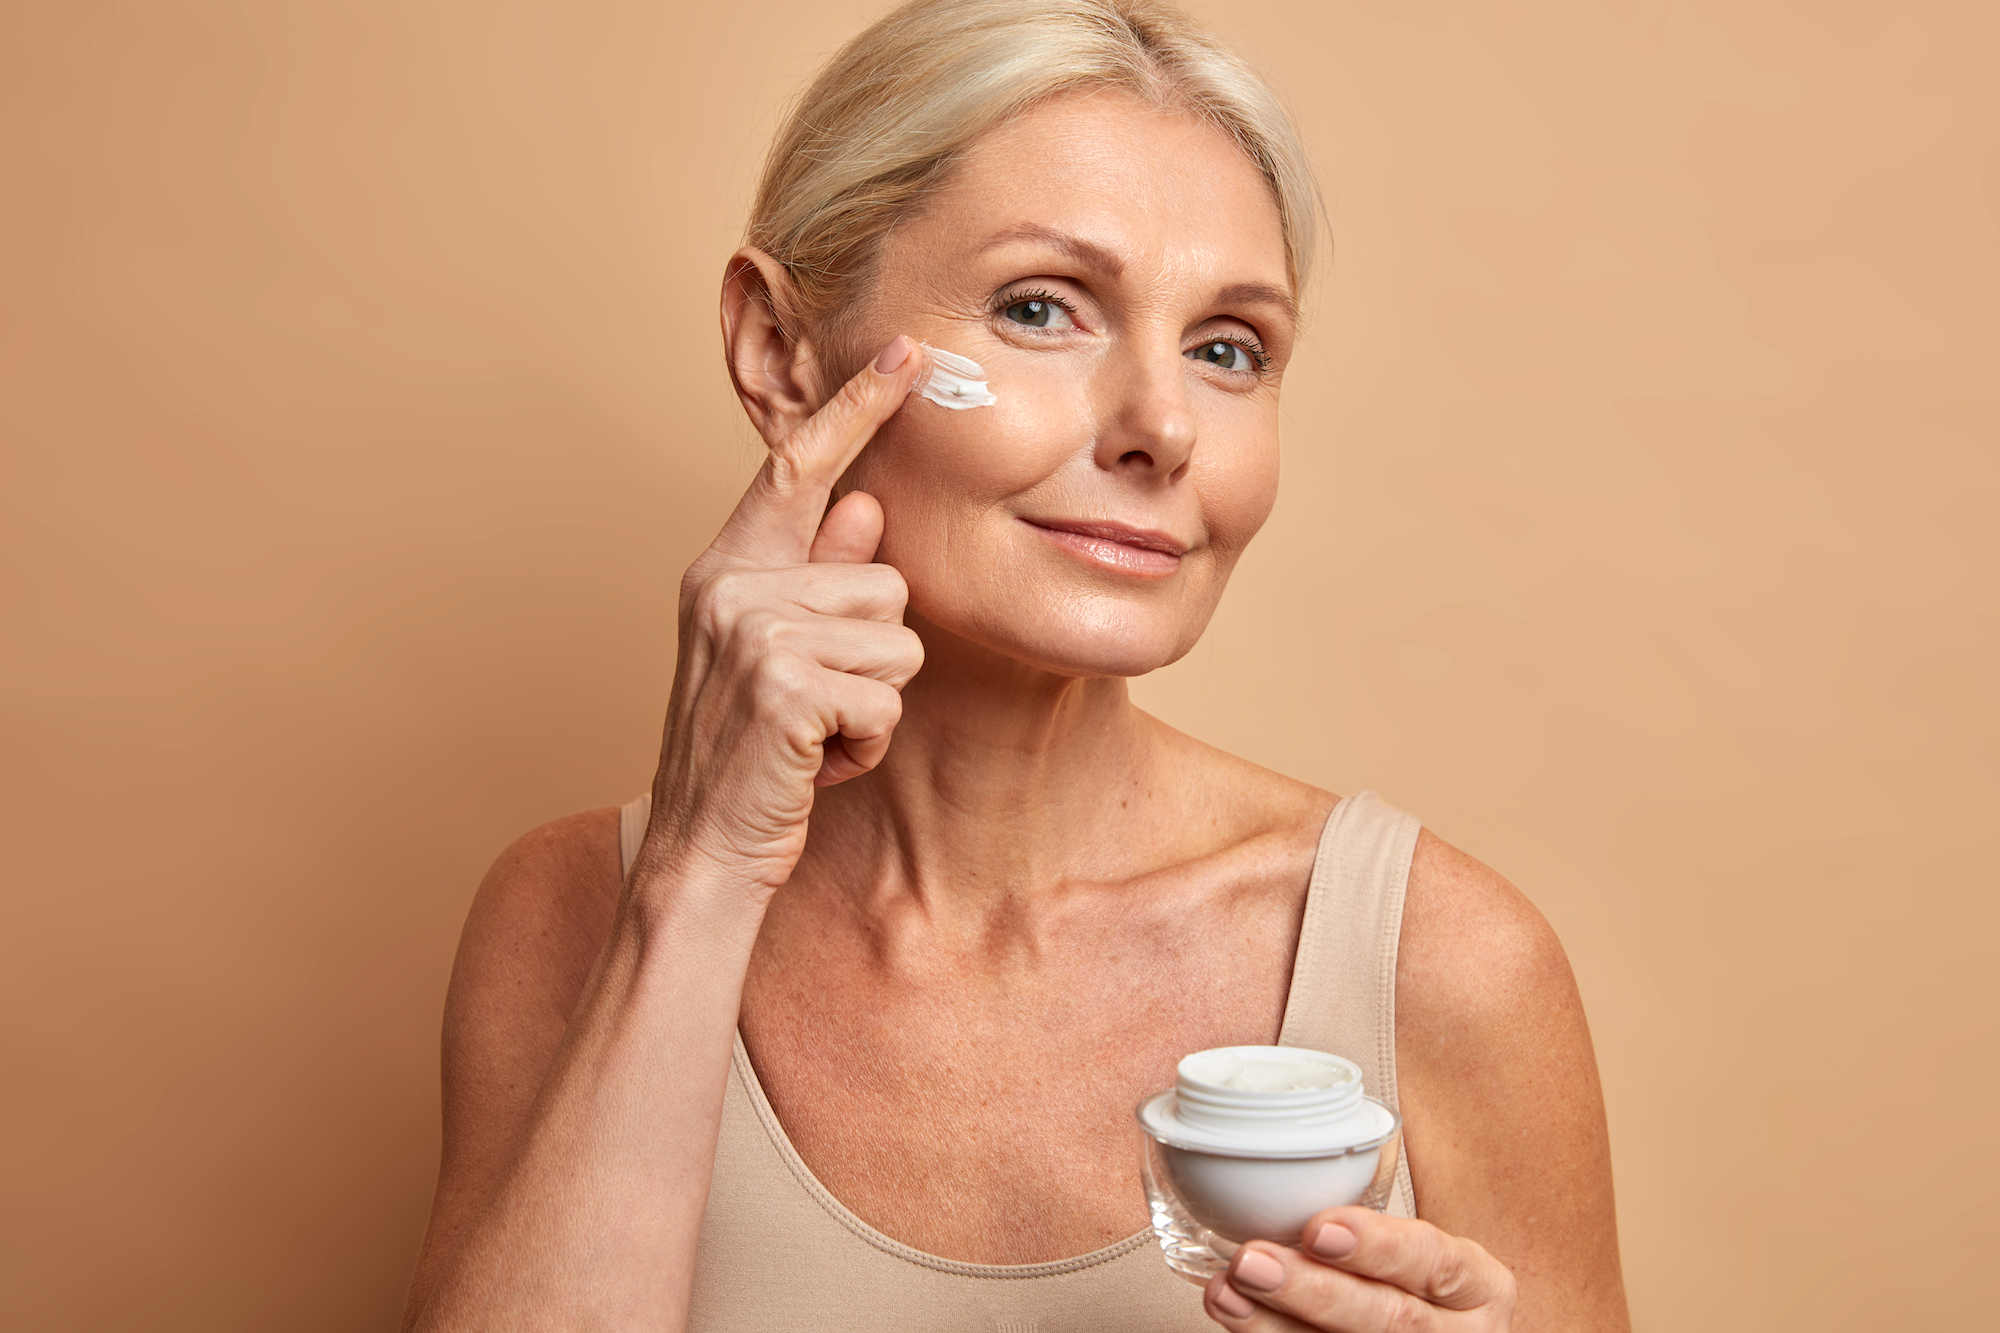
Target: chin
{"x":1082,"y":637}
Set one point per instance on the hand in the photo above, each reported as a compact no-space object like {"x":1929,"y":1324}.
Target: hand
{"x":1362,"y":1272}
{"x":792,"y":651}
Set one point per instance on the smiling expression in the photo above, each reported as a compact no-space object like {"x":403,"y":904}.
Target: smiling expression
{"x":1119,"y":272}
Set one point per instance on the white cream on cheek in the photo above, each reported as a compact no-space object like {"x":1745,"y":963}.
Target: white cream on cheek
{"x":955,"y":381}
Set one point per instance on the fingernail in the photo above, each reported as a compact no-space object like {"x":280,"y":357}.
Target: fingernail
{"x":895,"y":354}
{"x":1234,"y":1303}
{"x":1333,"y":1240}
{"x":1258,"y":1271}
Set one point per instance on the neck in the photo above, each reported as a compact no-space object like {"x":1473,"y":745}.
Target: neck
{"x":1003,"y":782}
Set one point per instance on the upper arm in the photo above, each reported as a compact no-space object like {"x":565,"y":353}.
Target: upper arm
{"x":1503,"y":1114}
{"x":530,"y":940}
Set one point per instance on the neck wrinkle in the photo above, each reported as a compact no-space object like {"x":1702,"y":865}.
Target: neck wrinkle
{"x":1001,"y":787}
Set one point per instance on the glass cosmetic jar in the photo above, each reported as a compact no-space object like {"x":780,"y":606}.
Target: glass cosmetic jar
{"x":1250,"y":1142}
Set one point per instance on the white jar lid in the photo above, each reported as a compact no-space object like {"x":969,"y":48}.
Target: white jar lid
{"x":1267,"y":1101}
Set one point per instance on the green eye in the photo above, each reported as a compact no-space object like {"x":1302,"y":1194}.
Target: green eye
{"x":1035,"y":314}
{"x":1225,"y":354}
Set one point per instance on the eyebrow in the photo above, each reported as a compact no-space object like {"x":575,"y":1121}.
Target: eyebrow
{"x":1259,"y":293}
{"x":1097,"y":256}
{"x":1084,"y":252}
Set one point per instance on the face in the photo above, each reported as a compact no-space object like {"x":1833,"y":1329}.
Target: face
{"x":1119,"y":273}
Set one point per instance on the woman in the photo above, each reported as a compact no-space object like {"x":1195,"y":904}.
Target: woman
{"x":909,"y":838}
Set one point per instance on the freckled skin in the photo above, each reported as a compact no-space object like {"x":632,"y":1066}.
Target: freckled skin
{"x":962,"y":935}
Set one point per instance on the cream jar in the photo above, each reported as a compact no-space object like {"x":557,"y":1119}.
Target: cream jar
{"x":1250,"y":1142}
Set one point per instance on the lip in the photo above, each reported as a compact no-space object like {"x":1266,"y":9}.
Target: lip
{"x":1106,"y":530}
{"x":1113,"y":545}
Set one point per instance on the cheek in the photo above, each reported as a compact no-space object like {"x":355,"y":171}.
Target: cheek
{"x":937,"y":466}
{"x":1238,"y":487}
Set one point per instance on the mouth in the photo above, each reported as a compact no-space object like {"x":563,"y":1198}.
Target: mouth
{"x":1145,"y":552}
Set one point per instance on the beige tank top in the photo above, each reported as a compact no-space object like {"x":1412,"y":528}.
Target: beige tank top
{"x":778,"y":1252}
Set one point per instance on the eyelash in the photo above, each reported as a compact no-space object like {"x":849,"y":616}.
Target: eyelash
{"x":1258,"y":356}
{"x":1005,"y":299}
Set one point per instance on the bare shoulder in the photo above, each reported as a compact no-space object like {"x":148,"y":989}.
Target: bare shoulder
{"x":538,"y":919}
{"x":535,"y":927}
{"x":1475,"y":951}
{"x":1503,"y":1113}
{"x":531,"y":937}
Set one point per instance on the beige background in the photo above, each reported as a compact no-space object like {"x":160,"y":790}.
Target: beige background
{"x":361,"y":402}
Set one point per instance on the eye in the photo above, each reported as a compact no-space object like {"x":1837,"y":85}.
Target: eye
{"x":1034,"y":308}
{"x":1226,"y":355}
{"x":1034,"y":312}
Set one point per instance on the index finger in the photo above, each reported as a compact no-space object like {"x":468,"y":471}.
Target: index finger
{"x":774,"y":522}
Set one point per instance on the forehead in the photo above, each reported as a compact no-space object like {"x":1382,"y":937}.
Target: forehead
{"x":1159,"y":188}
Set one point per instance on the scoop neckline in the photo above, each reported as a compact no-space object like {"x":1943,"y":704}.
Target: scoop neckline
{"x":1055,"y":1267}
{"x":847,"y":1217}
{"x":774,"y":1129}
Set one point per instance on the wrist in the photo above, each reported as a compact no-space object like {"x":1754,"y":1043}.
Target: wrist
{"x":683,"y":888}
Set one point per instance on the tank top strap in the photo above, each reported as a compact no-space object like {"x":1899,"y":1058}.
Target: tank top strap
{"x":1343,"y":992}
{"x":632,"y":817}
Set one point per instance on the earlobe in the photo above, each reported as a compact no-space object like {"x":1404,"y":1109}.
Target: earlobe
{"x":771,"y":368}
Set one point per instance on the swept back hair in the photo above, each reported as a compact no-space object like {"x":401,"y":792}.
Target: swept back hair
{"x":896,"y":108}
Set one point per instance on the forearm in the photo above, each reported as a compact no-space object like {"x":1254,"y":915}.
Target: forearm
{"x":595,"y":1220}
{"x":793,"y":656}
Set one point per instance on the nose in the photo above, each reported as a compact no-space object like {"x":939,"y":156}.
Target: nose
{"x":1148,"y":425}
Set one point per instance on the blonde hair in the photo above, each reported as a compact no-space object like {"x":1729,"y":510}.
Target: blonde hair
{"x":895,"y":109}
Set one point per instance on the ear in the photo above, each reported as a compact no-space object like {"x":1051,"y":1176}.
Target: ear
{"x":776,"y":373}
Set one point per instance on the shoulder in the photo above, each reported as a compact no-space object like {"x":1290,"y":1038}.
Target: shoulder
{"x":531,"y":937}
{"x":539,"y":917}
{"x":1488,"y":1019}
{"x":568,"y":866}
{"x":1502,"y":1111}
{"x":1474,"y":951}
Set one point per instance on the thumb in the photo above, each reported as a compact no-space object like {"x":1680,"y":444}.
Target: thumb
{"x":850,"y":532}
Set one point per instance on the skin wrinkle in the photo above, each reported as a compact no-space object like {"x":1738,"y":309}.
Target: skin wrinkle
{"x":1037,"y":874}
